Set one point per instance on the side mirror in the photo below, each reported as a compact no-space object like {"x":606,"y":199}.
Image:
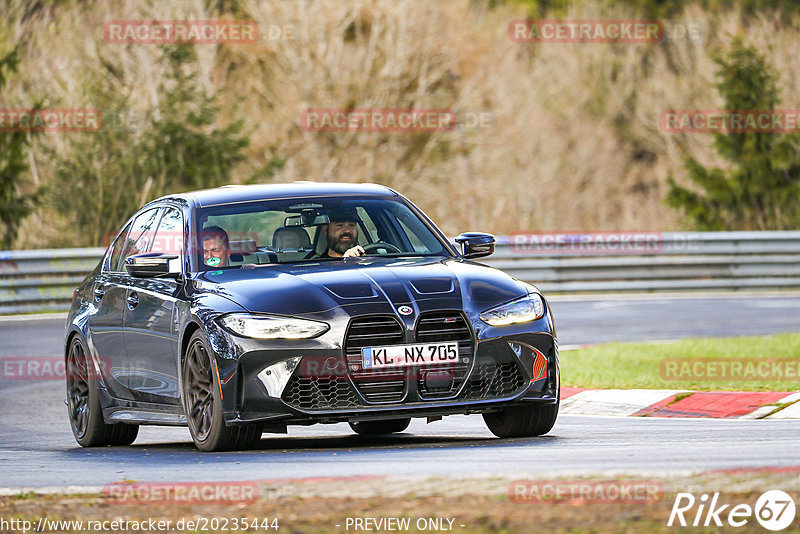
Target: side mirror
{"x":151,"y":266}
{"x":476,"y":244}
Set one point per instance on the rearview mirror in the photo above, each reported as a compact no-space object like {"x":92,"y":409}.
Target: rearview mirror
{"x":476,"y":244}
{"x":151,"y":266}
{"x":306,"y":221}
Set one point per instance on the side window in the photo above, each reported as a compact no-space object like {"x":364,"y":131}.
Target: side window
{"x":139,"y":237}
{"x":169,"y":236}
{"x":112,"y":260}
{"x":418,"y":245}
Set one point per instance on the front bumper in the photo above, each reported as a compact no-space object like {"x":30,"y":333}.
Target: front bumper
{"x":518,"y":368}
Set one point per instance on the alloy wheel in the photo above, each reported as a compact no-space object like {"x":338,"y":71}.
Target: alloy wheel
{"x":199,"y":393}
{"x":78,"y":388}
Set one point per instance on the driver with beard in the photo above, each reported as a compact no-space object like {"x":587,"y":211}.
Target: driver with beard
{"x":342,"y":233}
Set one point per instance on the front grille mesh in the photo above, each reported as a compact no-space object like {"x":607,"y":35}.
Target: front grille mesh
{"x":487,"y":381}
{"x":312,"y":393}
{"x":491,"y":377}
{"x":375,"y":385}
{"x":442,"y":326}
{"x":490,"y":380}
{"x":435,"y":327}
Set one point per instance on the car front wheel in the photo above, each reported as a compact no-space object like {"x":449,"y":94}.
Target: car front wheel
{"x":522,"y":421}
{"x":203,"y":403}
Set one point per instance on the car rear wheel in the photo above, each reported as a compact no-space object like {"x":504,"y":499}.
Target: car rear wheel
{"x":203,"y":404}
{"x":522,"y":421}
{"x":83,"y":404}
{"x":378,"y":428}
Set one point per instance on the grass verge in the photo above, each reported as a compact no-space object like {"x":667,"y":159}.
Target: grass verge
{"x":727,"y":364}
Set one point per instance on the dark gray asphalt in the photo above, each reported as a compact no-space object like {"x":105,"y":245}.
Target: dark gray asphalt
{"x":37,"y":448}
{"x":600,"y":320}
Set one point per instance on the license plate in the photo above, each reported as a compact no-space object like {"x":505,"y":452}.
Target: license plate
{"x":408,"y":355}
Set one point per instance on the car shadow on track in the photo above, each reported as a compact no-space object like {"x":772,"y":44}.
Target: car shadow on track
{"x":337,"y":444}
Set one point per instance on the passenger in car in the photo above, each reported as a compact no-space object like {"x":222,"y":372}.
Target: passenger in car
{"x":216,"y":247}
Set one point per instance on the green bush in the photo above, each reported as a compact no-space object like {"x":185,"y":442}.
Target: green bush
{"x":761,"y":187}
{"x":109,"y":174}
{"x":15,"y":204}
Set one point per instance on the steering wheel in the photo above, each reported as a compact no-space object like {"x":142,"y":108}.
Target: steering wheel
{"x":381,"y":245}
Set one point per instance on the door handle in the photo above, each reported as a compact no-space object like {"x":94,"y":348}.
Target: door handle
{"x":98,"y":293}
{"x":133,"y":300}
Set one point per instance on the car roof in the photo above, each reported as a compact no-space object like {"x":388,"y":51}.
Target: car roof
{"x":243,"y":193}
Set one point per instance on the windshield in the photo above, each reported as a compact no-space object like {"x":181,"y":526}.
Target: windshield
{"x":310,"y":229}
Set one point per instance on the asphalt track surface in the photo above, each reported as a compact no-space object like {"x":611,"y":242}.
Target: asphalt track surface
{"x":38,"y":450}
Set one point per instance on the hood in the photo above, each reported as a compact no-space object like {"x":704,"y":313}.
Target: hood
{"x":363,"y":286}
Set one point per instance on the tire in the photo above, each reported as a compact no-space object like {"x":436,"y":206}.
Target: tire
{"x":203,"y":404}
{"x":379,"y":428}
{"x":522,"y":421}
{"x":83,"y":404}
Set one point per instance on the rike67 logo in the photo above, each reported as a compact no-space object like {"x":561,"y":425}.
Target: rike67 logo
{"x":774,"y":510}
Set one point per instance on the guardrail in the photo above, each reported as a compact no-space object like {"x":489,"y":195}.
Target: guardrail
{"x":659,"y":262}
{"x":43,"y":280}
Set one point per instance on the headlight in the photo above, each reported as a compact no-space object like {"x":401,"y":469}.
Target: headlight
{"x":272,"y":327}
{"x":528,"y":308}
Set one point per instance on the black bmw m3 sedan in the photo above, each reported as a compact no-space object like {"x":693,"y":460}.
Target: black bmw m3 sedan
{"x":246,"y":309}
